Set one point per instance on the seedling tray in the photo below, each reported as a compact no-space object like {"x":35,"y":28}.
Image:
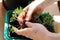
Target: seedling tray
{"x":6,"y":28}
{"x":7,"y":25}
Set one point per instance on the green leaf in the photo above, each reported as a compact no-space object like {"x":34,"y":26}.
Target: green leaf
{"x":13,"y":29}
{"x":15,"y":14}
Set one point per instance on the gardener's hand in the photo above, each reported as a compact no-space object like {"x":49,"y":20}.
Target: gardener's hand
{"x":35,"y":31}
{"x":29,"y":10}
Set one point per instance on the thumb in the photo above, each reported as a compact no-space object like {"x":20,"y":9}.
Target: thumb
{"x":29,"y":14}
{"x":29,"y":24}
{"x":37,"y":27}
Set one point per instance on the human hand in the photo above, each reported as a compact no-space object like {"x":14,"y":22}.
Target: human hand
{"x":35,"y":31}
{"x":29,"y":10}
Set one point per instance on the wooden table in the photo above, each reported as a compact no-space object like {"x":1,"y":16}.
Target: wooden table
{"x":2,"y":13}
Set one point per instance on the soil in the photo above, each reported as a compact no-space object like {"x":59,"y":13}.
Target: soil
{"x":14,"y":35}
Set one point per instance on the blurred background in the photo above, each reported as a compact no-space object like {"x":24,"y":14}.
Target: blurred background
{"x":53,"y":9}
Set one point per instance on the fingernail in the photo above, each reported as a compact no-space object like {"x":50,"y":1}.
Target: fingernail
{"x":26,"y":22}
{"x":27,"y":19}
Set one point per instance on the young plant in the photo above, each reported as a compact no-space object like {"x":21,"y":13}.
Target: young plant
{"x":15,"y":14}
{"x":45,"y":18}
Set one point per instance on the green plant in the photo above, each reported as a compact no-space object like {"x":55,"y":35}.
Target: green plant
{"x":13,"y":29}
{"x":45,"y":18}
{"x":15,"y":14}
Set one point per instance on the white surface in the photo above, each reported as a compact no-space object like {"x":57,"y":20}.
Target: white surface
{"x":56,"y":18}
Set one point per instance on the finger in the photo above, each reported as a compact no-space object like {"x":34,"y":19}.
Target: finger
{"x":20,"y":20}
{"x":29,"y":14}
{"x":34,"y":26}
{"x":26,"y":32}
{"x":37,"y":27}
{"x":29,"y":24}
{"x":21,"y":17}
{"x":30,"y":9}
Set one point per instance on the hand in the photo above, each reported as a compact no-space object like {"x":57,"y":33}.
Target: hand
{"x":35,"y":31}
{"x":29,"y":10}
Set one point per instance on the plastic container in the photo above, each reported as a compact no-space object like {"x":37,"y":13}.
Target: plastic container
{"x":6,"y":29}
